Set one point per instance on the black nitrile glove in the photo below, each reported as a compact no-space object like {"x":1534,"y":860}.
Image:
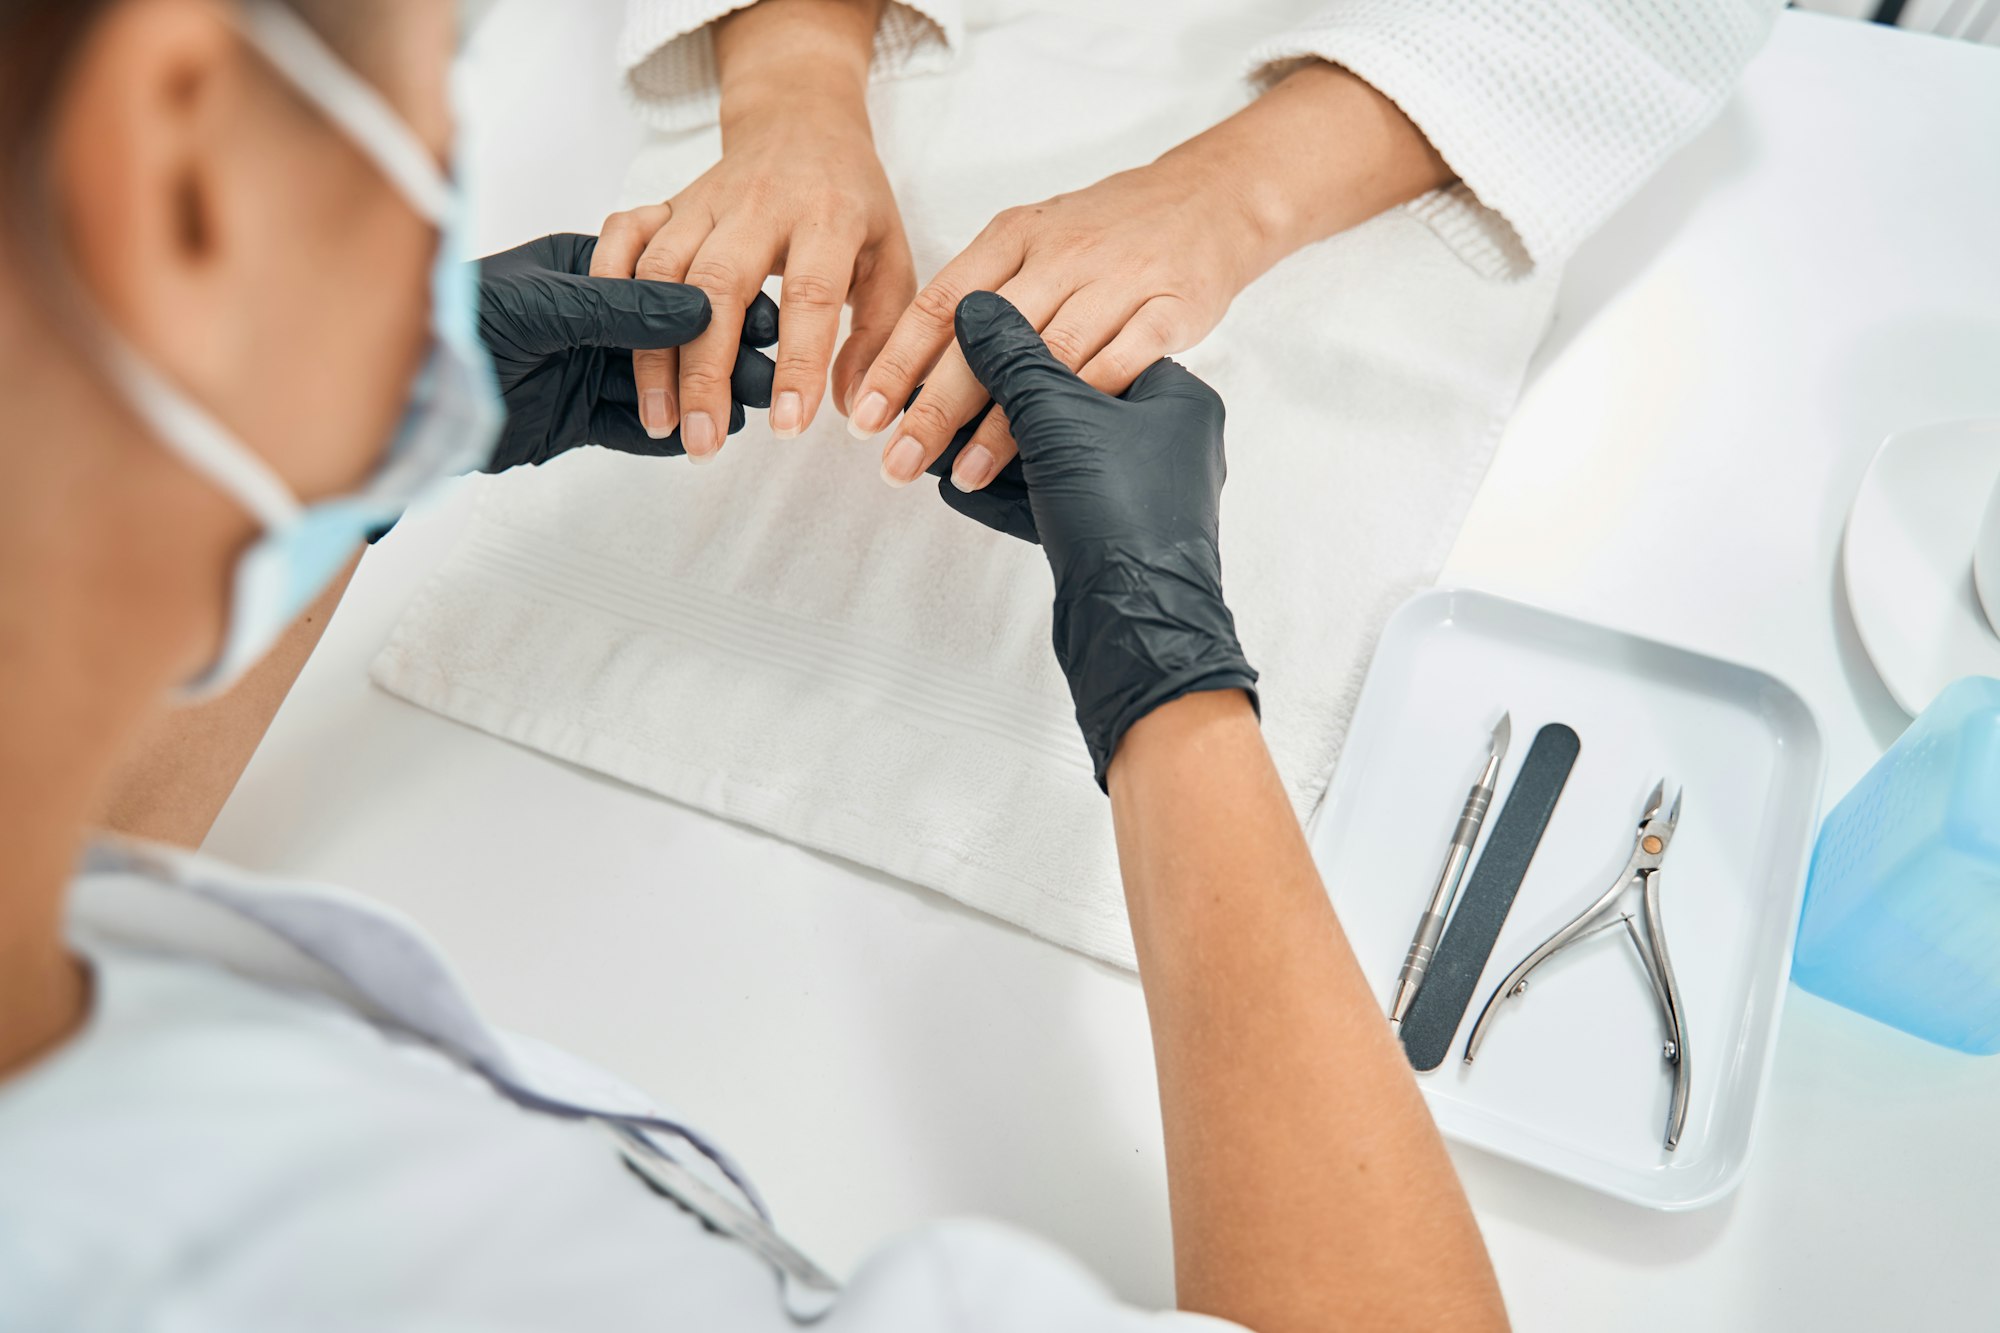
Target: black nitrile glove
{"x":1124,"y":495}
{"x":562,"y":345}
{"x":1001,"y":504}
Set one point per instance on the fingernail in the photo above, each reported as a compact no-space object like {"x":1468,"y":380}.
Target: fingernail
{"x":655,"y":415}
{"x":701,"y":460}
{"x":698,"y":434}
{"x":903,"y":462}
{"x":871,"y":414}
{"x":788,"y":415}
{"x":973,"y":469}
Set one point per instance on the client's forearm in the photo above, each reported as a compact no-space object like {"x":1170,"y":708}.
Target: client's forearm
{"x":1316,"y":154}
{"x":174,"y":782}
{"x":1309,"y":1187}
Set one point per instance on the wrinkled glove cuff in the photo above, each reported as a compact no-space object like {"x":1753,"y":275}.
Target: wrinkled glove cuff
{"x":1131,"y":638}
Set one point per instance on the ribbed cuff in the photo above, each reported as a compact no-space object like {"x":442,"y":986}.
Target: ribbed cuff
{"x":1475,"y":233}
{"x":1551,"y":112}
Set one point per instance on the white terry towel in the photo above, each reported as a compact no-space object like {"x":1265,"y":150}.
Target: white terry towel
{"x":782,"y":639}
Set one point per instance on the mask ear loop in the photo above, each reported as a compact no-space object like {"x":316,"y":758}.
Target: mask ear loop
{"x":349,"y":101}
{"x":201,"y":441}
{"x":185,"y":426}
{"x":194,"y":433}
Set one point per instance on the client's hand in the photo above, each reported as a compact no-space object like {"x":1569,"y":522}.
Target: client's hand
{"x":800,"y":192}
{"x":562,"y":342}
{"x":1146,"y":262}
{"x":1115,"y":276}
{"x":1124,"y":495}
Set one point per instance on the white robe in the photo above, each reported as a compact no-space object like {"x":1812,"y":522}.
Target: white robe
{"x":1552,"y":112}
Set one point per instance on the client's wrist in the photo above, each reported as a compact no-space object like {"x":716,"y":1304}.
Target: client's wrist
{"x":777,"y":102}
{"x":794,"y":91}
{"x":1320,"y":151}
{"x":1241,"y":223}
{"x":1219,"y":221}
{"x":796,"y":58}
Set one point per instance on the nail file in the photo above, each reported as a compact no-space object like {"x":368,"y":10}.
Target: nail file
{"x":1483,"y":905}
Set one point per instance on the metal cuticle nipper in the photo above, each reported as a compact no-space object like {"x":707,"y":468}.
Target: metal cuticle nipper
{"x":1647,"y":936}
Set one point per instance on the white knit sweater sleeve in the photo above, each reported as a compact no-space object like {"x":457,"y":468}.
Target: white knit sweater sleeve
{"x":668,"y":53}
{"x":1551,"y":112}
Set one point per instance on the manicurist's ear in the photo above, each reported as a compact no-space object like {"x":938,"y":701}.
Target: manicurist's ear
{"x":144,"y":164}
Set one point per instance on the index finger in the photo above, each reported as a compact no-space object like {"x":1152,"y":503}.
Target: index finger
{"x":924,"y":332}
{"x":1008,"y":357}
{"x":624,"y":237}
{"x":622,"y":243}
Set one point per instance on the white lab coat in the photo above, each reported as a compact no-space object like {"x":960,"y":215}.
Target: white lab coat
{"x":283,"y":1113}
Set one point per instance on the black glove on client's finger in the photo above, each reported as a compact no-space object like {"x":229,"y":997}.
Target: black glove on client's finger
{"x":1124,"y":495}
{"x":1001,"y":504}
{"x":562,"y":344}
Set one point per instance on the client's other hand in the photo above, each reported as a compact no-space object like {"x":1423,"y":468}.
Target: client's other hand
{"x":1124,"y":494}
{"x":1115,"y":276}
{"x":562,"y":346}
{"x":1146,"y":262}
{"x":799,"y":192}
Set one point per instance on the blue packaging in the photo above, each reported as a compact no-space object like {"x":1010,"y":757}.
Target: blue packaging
{"x":1902,"y":909}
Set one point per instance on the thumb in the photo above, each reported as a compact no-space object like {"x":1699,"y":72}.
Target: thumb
{"x":1011,"y":359}
{"x":541,"y":313}
{"x":561,"y":252}
{"x":1170,"y":379}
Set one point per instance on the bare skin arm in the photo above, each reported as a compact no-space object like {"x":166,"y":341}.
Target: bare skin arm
{"x":1309,"y":1188}
{"x":173,"y":783}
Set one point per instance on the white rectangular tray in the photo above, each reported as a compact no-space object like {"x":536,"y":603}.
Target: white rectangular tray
{"x":1571,"y":1078}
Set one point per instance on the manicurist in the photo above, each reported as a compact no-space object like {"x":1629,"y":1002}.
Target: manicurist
{"x":236,"y":338}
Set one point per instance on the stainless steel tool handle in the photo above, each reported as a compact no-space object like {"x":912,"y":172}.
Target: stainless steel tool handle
{"x":1431,"y":928}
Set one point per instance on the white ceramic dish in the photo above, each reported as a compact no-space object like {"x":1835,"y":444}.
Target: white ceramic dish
{"x":1571,"y":1078}
{"x":1906,"y":558}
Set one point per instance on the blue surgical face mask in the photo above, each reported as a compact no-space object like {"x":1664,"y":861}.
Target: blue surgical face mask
{"x":449,"y":426}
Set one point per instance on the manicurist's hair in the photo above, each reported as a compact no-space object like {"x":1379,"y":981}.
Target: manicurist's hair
{"x":38,"y":42}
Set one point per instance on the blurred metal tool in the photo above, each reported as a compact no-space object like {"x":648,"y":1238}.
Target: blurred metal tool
{"x":1418,"y":960}
{"x":1651,"y":942}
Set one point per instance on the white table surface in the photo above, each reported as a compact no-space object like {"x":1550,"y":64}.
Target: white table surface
{"x":1821,"y":267}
